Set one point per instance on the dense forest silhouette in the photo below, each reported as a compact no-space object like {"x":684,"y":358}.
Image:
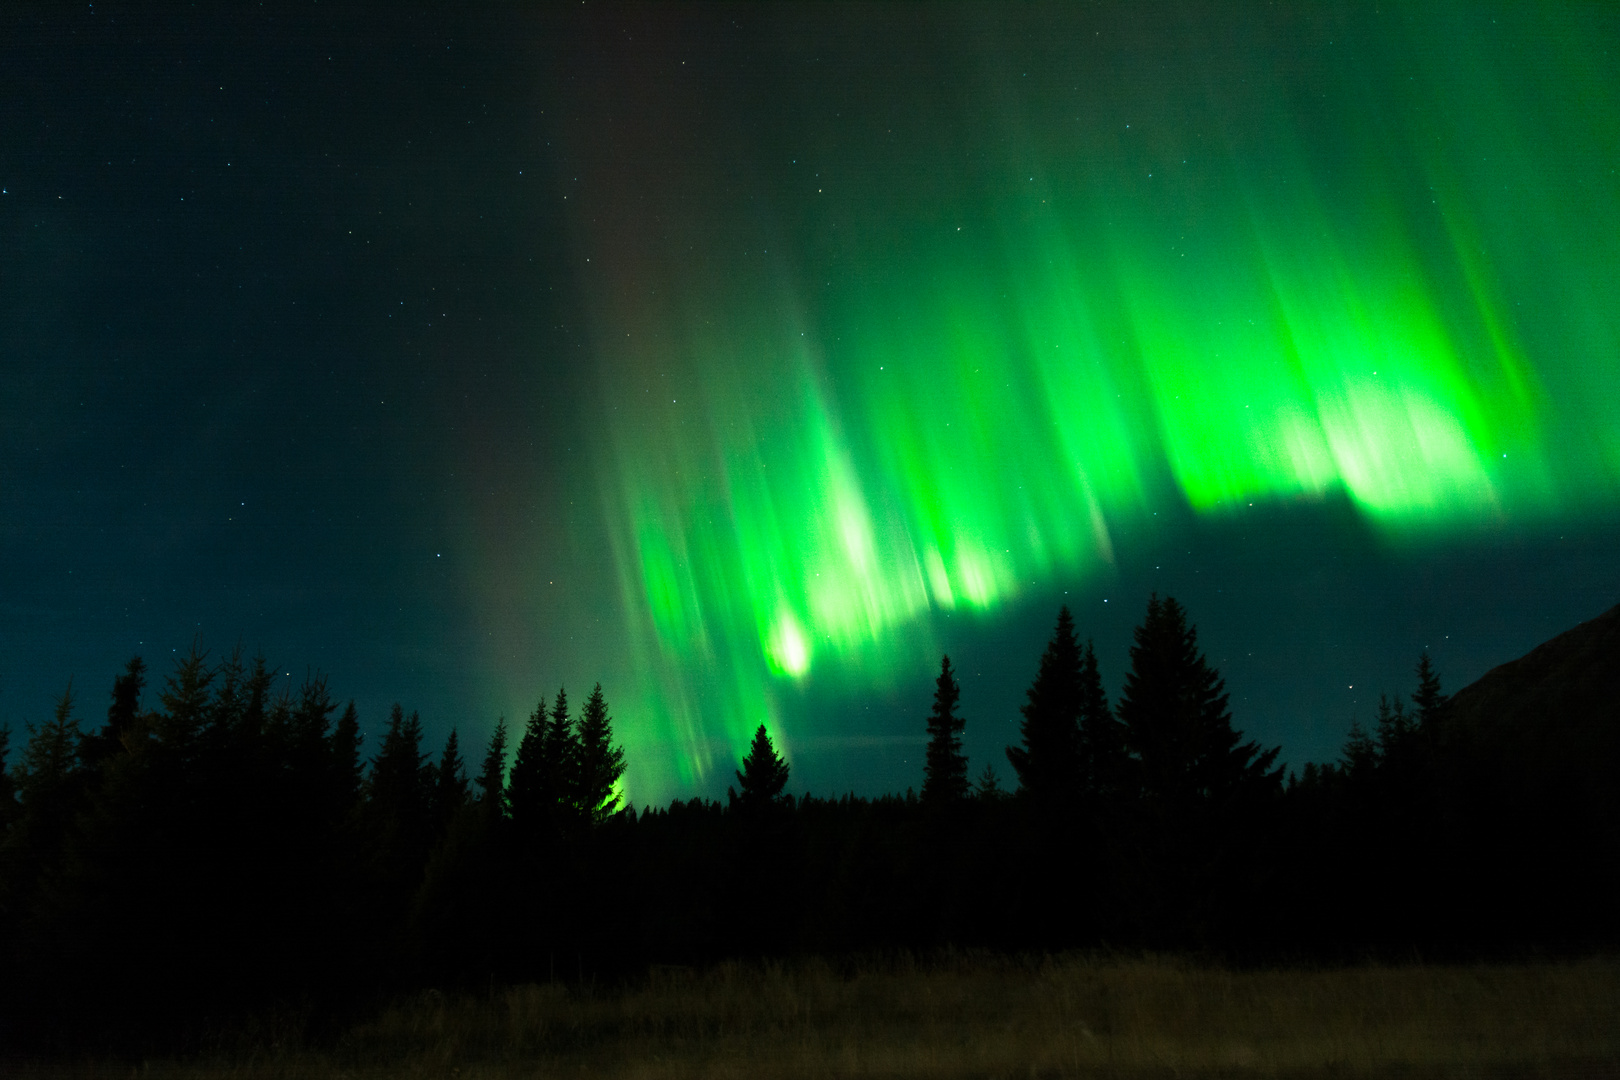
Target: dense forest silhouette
{"x":220,"y":848}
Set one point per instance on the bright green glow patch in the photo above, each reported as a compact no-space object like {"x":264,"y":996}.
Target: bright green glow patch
{"x":786,"y":648}
{"x":1393,"y":271}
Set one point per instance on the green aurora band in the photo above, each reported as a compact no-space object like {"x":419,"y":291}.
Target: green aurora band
{"x":862,"y":373}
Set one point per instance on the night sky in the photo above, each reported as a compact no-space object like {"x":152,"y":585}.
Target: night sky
{"x":745,"y":359}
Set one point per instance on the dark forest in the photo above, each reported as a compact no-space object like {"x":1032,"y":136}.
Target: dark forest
{"x":216,"y":848}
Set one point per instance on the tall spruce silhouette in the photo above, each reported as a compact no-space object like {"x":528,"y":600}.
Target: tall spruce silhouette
{"x":400,"y":796}
{"x":1428,"y":699}
{"x":492,"y":776}
{"x":121,"y":714}
{"x":344,"y":749}
{"x":945,"y":779}
{"x":50,"y":779}
{"x":308,"y":753}
{"x":398,"y":783}
{"x":1196,"y":857}
{"x":529,"y":789}
{"x":987,"y":787}
{"x":1176,"y":722}
{"x":252,"y":705}
{"x":601,"y":764}
{"x":225,"y":751}
{"x":186,"y":710}
{"x":1361,"y":754}
{"x":1048,"y":763}
{"x":449,"y":783}
{"x":49,"y":776}
{"x":1396,"y":728}
{"x":560,"y":763}
{"x":762,"y":778}
{"x":1103,"y":762}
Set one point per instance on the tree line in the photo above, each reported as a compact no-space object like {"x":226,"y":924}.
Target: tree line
{"x":232,"y":848}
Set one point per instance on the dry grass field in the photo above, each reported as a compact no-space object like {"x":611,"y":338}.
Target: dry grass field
{"x":984,"y":1017}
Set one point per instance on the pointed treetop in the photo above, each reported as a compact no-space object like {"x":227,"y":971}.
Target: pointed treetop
{"x":1103,"y":765}
{"x":1177,"y":725}
{"x":1048,"y":762}
{"x":561,"y":746}
{"x":400,"y":781}
{"x":1428,"y":699}
{"x":449,"y":780}
{"x":52,"y":754}
{"x":601,"y":764}
{"x":763,"y":776}
{"x":988,"y":786}
{"x":529,"y":789}
{"x":126,"y":698}
{"x":945,"y":766}
{"x":122,"y":715}
{"x":492,"y":778}
{"x":344,"y":745}
{"x":185,"y":700}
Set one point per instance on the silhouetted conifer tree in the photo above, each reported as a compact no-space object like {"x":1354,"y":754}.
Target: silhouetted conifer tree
{"x":1361,"y":754}
{"x":229,"y":700}
{"x":492,"y":777}
{"x":48,"y":774}
{"x":49,"y":779}
{"x":1048,"y":762}
{"x":988,"y":786}
{"x":186,"y":709}
{"x":1384,"y":793}
{"x":1103,"y":761}
{"x":763,"y":775}
{"x":256,"y":703}
{"x":344,"y":751}
{"x":601,"y":764}
{"x":466,"y":872}
{"x":1200,"y":787}
{"x":399,"y":787}
{"x":1428,"y":698}
{"x":308,"y":751}
{"x":1312,"y":777}
{"x":945,"y":769}
{"x":449,"y":783}
{"x":529,"y":790}
{"x":121,"y":714}
{"x":399,"y":828}
{"x":1174,"y":709}
{"x":310,"y":773}
{"x":229,"y":805}
{"x":560,"y":764}
{"x":1395,"y":734}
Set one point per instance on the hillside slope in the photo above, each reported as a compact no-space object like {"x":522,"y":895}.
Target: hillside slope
{"x":1576,"y":674}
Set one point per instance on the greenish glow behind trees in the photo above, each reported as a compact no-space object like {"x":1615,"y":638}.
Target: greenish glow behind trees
{"x":934,"y":367}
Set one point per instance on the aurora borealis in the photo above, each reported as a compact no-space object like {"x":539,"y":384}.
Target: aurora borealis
{"x":746,"y":358}
{"x":958,"y":342}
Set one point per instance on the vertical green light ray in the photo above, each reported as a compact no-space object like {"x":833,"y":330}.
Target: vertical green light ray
{"x":1401,"y":281}
{"x":1526,"y":182}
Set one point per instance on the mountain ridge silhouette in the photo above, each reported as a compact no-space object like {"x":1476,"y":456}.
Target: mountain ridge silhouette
{"x":1575,"y":673}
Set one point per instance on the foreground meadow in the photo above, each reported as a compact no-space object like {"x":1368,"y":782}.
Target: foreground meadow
{"x":978,"y":1017}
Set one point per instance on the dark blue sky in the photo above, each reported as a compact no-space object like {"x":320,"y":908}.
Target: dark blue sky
{"x":292,"y":355}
